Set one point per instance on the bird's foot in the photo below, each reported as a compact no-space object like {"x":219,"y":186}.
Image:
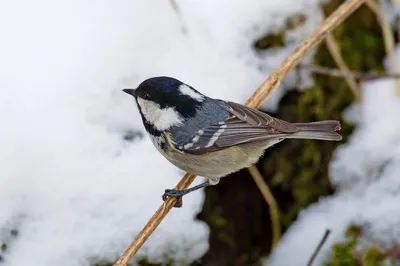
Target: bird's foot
{"x":174,"y":193}
{"x":180,"y":193}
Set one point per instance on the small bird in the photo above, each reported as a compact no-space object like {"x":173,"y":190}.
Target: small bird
{"x":210,"y":137}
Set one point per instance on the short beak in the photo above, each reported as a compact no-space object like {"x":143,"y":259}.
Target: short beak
{"x":130,"y":91}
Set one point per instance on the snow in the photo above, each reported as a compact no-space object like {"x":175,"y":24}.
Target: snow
{"x":391,"y":10}
{"x":366,"y":173}
{"x":72,"y":190}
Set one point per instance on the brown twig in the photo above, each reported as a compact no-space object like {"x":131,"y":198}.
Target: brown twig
{"x":273,"y":206}
{"x":340,"y":74}
{"x":273,"y":81}
{"x":152,"y":224}
{"x":266,"y":89}
{"x":358,"y":257}
{"x":388,"y":38}
{"x":316,"y":251}
{"x":334,"y":50}
{"x":398,"y":29}
{"x":177,"y":10}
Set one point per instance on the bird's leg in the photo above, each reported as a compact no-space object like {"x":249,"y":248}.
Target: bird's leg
{"x":179,"y":193}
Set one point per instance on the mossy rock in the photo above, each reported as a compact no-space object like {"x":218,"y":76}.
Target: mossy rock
{"x":357,"y":250}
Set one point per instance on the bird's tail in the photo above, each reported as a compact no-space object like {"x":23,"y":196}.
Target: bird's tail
{"x":323,"y":130}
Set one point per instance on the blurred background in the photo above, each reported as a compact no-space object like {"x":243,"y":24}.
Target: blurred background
{"x":79,"y":177}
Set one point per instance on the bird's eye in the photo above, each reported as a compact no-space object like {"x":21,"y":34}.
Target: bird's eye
{"x":146,"y":95}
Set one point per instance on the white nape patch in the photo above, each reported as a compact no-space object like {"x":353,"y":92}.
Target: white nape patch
{"x":160,"y":118}
{"x":186,"y":90}
{"x":216,"y":136}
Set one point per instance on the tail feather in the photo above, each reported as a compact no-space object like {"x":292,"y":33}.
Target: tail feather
{"x":323,"y":130}
{"x":327,"y":125}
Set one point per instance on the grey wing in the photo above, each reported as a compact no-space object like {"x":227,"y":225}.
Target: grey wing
{"x":243,"y":126}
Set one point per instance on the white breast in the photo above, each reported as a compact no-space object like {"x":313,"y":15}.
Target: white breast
{"x":160,"y":118}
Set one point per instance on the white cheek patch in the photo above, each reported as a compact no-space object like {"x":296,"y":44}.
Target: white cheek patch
{"x":161,"y":118}
{"x":186,"y":90}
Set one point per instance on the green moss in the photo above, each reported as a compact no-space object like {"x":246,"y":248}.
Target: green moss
{"x":351,"y":252}
{"x":374,"y":256}
{"x":295,"y":21}
{"x":353,"y":231}
{"x":277,"y":39}
{"x":221,"y":225}
{"x":104,"y":264}
{"x":142,"y":261}
{"x":145,"y":262}
{"x":270,"y":40}
{"x":342,"y":254}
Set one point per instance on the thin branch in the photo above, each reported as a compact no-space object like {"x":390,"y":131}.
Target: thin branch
{"x":152,"y":224}
{"x":334,"y":50}
{"x":398,"y":29}
{"x":340,"y":74}
{"x":270,"y":199}
{"x":358,"y":257}
{"x":177,"y":10}
{"x":266,"y":89}
{"x":388,"y":38}
{"x":316,"y":251}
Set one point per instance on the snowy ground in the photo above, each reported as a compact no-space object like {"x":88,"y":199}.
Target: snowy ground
{"x":367,"y":173}
{"x":72,"y":190}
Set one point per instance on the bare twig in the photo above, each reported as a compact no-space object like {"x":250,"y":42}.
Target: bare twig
{"x":334,"y":50}
{"x":267,"y":88}
{"x":273,"y":81}
{"x":358,"y":257}
{"x":177,"y":10}
{"x":152,"y":224}
{"x":388,"y":38}
{"x":340,"y":74}
{"x":398,"y":30}
{"x":273,"y":206}
{"x":316,"y":251}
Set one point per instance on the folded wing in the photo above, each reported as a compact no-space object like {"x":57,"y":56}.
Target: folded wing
{"x":245,"y":125}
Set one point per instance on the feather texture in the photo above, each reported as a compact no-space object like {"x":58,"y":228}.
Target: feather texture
{"x":247,"y":125}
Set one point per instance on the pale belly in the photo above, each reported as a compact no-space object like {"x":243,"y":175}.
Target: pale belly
{"x":220,"y":163}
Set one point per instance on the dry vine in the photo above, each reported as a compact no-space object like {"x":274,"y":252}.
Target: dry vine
{"x":270,"y":199}
{"x":318,"y":248}
{"x":388,"y":38}
{"x":334,"y":50}
{"x":260,"y":95}
{"x":359,"y":76}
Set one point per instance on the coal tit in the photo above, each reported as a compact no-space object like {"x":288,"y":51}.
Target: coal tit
{"x":209,"y":137}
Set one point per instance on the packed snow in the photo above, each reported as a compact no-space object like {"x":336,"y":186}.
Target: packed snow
{"x":78,"y":176}
{"x":366,"y":172}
